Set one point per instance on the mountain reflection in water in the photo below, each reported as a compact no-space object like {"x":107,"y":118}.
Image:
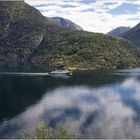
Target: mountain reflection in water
{"x":108,"y":106}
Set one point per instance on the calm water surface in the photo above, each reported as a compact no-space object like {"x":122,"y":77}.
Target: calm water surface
{"x":94,"y":104}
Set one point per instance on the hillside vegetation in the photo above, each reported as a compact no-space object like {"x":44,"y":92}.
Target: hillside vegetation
{"x":133,"y":35}
{"x":27,"y":36}
{"x":43,"y":131}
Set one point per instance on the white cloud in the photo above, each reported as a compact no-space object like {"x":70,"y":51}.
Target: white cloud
{"x":94,"y":16}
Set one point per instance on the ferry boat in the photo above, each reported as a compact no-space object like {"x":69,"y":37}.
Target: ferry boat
{"x":61,"y":73}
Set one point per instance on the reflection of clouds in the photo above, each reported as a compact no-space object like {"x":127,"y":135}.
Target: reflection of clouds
{"x":112,"y":119}
{"x":94,"y":113}
{"x":130,"y":83}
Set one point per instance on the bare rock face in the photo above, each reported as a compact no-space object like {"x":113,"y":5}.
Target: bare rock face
{"x":65,"y":23}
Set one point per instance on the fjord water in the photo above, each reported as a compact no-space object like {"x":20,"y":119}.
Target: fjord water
{"x":93,"y":104}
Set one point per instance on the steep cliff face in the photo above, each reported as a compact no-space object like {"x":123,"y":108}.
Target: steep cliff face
{"x":21,"y":29}
{"x":27,"y":36}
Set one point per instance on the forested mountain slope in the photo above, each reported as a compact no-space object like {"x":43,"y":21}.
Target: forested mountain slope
{"x":133,"y":35}
{"x":27,"y":36}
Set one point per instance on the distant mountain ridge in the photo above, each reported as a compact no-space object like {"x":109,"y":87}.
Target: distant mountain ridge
{"x":118,"y":31}
{"x":133,"y":35}
{"x":65,"y":23}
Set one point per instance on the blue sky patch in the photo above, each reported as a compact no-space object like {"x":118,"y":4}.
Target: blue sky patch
{"x":46,"y":5}
{"x":110,"y":3}
{"x":125,"y":8}
{"x":42,"y":5}
{"x":88,"y":10}
{"x":87,"y":1}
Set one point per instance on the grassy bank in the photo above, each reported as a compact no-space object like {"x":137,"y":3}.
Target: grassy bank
{"x":43,"y":131}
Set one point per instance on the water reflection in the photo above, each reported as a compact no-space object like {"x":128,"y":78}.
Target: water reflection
{"x":129,"y":72}
{"x":19,"y":92}
{"x":107,"y":111}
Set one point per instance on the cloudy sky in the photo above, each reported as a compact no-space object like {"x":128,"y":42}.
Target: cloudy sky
{"x":92,"y":15}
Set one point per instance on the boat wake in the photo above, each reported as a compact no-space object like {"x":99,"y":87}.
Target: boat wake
{"x":23,"y":74}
